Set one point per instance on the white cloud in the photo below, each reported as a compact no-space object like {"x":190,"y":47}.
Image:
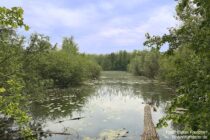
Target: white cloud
{"x":48,"y":16}
{"x":105,"y":5}
{"x":128,"y":3}
{"x":112,"y":32}
{"x":161,"y":19}
{"x":97,"y":24}
{"x":156,"y":24}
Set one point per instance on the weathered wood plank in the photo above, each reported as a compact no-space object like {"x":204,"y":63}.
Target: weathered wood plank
{"x":149,"y":128}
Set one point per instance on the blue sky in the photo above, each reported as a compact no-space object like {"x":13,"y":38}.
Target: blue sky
{"x":98,"y":26}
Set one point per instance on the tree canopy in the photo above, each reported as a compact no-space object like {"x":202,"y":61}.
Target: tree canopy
{"x":190,"y":71}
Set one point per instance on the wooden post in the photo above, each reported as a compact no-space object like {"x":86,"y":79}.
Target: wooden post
{"x":149,"y":128}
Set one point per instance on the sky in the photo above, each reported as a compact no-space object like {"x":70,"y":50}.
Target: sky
{"x":98,"y":26}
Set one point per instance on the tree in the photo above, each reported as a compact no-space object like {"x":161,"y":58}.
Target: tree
{"x":113,"y":61}
{"x":39,"y":46}
{"x":192,"y":71}
{"x":69,"y":46}
{"x":145,"y":64}
{"x":12,"y":18}
{"x":11,"y":85}
{"x":67,"y":70}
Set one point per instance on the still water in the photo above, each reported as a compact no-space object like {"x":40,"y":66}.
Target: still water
{"x":110,"y":109}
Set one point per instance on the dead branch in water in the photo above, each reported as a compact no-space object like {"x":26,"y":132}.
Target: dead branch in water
{"x":149,"y":128}
{"x":77,"y":118}
{"x":55,"y":133}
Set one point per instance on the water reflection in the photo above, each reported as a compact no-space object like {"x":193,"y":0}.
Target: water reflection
{"x":112,"y":108}
{"x":59,"y":104}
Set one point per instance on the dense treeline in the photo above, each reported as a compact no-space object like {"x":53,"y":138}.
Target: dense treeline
{"x":115,"y":61}
{"x":142,"y":63}
{"x":145,"y":63}
{"x":57,"y":67}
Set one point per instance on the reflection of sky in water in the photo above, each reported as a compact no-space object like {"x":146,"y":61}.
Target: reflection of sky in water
{"x":115,"y":103}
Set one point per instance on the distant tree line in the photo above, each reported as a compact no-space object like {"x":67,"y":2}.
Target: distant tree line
{"x":143,"y":63}
{"x":114,"y":61}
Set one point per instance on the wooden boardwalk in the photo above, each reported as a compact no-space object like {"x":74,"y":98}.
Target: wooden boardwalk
{"x":149,"y":128}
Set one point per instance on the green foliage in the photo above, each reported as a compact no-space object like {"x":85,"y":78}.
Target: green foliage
{"x":48,"y":67}
{"x":91,"y":68}
{"x":113,"y":61}
{"x":11,"y":93}
{"x":10,"y":54}
{"x":11,"y":98}
{"x":136,"y":65}
{"x":69,"y":46}
{"x":66,"y":70}
{"x":145,"y":64}
{"x":12,"y":18}
{"x":187,"y":67}
{"x":39,"y":46}
{"x":61,"y":68}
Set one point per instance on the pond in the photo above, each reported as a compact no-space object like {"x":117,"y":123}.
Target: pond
{"x":111,"y":108}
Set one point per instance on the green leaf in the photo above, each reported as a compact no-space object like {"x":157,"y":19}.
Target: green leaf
{"x":2,"y":90}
